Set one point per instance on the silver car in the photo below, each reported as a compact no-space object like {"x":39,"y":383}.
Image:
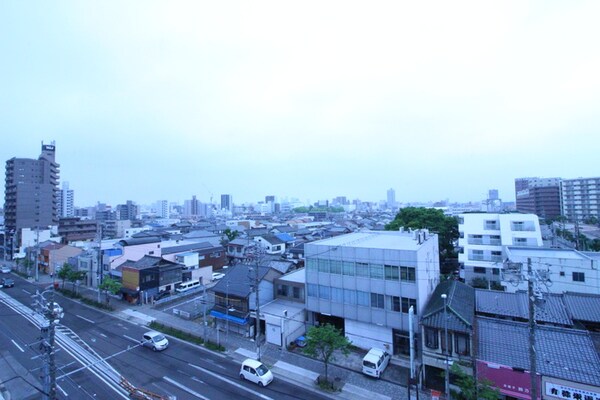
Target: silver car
{"x":155,"y":340}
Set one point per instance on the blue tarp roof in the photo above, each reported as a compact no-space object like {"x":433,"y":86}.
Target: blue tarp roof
{"x":220,"y":315}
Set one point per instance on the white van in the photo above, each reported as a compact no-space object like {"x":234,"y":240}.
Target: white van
{"x":375,"y":362}
{"x":185,"y":286}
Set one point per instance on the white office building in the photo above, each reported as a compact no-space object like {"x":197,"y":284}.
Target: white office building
{"x":365,"y":283}
{"x":484,"y":236}
{"x":558,"y":270}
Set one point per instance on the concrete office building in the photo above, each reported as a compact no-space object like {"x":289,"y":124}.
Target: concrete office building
{"x":391,"y":198}
{"x":580,"y":198}
{"x":484,"y":236}
{"x":31,"y":192}
{"x":226,"y":202}
{"x":365,"y":283}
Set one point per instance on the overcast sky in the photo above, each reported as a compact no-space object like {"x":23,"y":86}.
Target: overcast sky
{"x":151,"y":100}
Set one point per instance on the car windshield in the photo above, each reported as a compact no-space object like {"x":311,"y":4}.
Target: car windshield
{"x":158,"y":338}
{"x":261,"y":370}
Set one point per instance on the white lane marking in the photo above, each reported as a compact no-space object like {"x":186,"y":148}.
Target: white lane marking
{"x":184,"y":388}
{"x":85,"y":319}
{"x":262,"y":396}
{"x":18,"y":347}
{"x":197,"y":380}
{"x":132,"y":339}
{"x":104,"y":336}
{"x":26,"y":291}
{"x":61,"y":389}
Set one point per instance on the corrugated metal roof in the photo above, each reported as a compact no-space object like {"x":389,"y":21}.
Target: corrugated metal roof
{"x":561,"y":352}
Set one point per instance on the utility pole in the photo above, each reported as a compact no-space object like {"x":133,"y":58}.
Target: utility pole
{"x":50,"y":311}
{"x":257,"y":336}
{"x":37,"y":253}
{"x":532,"y":352}
{"x":447,"y":374}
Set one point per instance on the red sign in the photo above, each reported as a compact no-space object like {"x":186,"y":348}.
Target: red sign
{"x":510,"y":382}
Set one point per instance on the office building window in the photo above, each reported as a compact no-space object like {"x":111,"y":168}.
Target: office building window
{"x":337,"y":295}
{"x":323,"y":265}
{"x":348,"y":268}
{"x":394,"y":303}
{"x":324,"y":292}
{"x":313,"y":290}
{"x":377,"y":300}
{"x":376,"y":271}
{"x":311,"y":264}
{"x":362,"y":269}
{"x":392,"y":272}
{"x":578,"y":277}
{"x":336,"y":267}
{"x":362,"y":298}
{"x":407,"y":302}
{"x":479,"y":270}
{"x":349,"y":297}
{"x":407,"y":274}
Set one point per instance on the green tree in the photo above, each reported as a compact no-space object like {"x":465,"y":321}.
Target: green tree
{"x":64,"y":272}
{"x":229,"y":236}
{"x":323,"y":341}
{"x":110,"y":286}
{"x":469,"y":390}
{"x":75,"y":276}
{"x":435,"y":221}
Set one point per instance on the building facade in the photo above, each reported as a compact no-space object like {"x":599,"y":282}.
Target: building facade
{"x":539,"y":196}
{"x":31,"y":192}
{"x":226,"y":202}
{"x":365,"y":283}
{"x":66,"y":197}
{"x":580,"y":198}
{"x":484,"y":236}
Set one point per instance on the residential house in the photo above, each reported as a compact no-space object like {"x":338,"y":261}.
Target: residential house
{"x":145,"y":278}
{"x":235,"y":299}
{"x":52,"y":256}
{"x":454,"y":315}
{"x":270,"y":244}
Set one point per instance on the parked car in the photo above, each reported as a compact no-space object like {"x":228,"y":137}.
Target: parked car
{"x":256,"y":372}
{"x":217,"y":275}
{"x":6,"y":283}
{"x":375,"y":362}
{"x":5,"y":269}
{"x":155,"y":340}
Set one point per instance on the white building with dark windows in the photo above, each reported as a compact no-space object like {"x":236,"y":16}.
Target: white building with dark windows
{"x":484,"y":236}
{"x":365,"y":283}
{"x":580,"y":198}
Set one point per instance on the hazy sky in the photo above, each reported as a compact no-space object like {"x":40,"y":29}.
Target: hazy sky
{"x":151,"y":100}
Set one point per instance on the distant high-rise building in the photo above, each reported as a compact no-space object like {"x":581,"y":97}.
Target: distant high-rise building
{"x":580,"y":198}
{"x":65,"y":201}
{"x":493,"y":194}
{"x":128,"y":211}
{"x":340,"y":201}
{"x":539,"y":196}
{"x":191,"y":207}
{"x":269,"y":199}
{"x":31,"y":191}
{"x":391,"y":198}
{"x":226,"y":202}
{"x":162,"y":208}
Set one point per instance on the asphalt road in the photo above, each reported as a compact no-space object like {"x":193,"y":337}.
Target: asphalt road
{"x":183,"y":371}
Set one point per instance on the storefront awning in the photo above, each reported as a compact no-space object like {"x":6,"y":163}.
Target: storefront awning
{"x":237,"y":320}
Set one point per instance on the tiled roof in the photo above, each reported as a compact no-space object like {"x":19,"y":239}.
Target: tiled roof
{"x":583,"y":307}
{"x":550,"y":309}
{"x":561,"y":352}
{"x":239,"y":278}
{"x":460,"y":307}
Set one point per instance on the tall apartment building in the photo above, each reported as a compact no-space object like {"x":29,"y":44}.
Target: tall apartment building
{"x":483,"y":239}
{"x":162,"y":208}
{"x":580,"y":198}
{"x":226,"y":202}
{"x":65,"y":201}
{"x":365,"y":283}
{"x":128,"y":211}
{"x":391,"y":198}
{"x":31,"y":191}
{"x":539,"y":196}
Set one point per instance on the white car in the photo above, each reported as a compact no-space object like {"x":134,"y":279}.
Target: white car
{"x":256,"y":372}
{"x":155,"y":340}
{"x":375,"y":362}
{"x":6,"y":269}
{"x":217,"y":275}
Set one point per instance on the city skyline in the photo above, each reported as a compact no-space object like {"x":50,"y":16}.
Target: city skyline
{"x":313,"y":101}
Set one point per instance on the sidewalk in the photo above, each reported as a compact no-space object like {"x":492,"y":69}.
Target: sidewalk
{"x":291,"y":366}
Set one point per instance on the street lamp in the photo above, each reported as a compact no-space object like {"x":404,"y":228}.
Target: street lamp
{"x":447,"y":375}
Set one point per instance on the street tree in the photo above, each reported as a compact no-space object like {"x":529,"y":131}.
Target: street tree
{"x":469,"y":389}
{"x":435,"y":221}
{"x":75,"y":276}
{"x":323,"y":341}
{"x":110,"y":286}
{"x":64,"y":272}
